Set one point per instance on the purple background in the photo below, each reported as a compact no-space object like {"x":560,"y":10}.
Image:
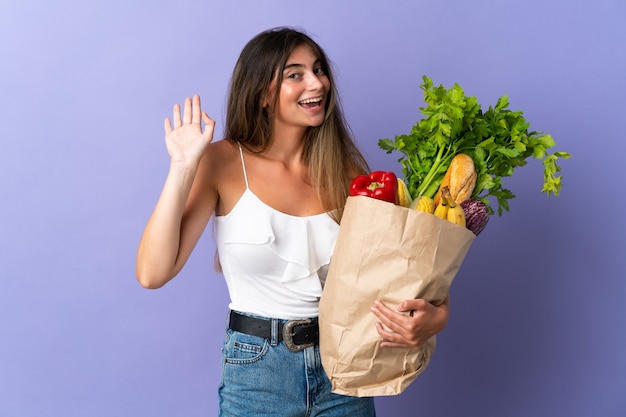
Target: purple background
{"x":538,"y":311}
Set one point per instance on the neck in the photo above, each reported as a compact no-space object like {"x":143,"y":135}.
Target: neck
{"x":287,"y":145}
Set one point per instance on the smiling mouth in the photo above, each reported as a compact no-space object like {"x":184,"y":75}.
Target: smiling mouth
{"x":311,"y":103}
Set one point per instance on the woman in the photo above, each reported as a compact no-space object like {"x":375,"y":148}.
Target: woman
{"x":276,"y":185}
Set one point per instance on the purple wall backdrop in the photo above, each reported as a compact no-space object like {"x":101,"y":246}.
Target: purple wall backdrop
{"x":537,"y":325}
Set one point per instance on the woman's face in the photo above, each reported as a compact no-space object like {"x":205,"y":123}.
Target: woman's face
{"x":303,"y":92}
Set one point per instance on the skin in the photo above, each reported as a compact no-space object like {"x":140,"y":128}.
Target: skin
{"x":205,"y":178}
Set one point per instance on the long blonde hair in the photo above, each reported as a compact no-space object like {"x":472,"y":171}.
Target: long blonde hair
{"x":330,"y":152}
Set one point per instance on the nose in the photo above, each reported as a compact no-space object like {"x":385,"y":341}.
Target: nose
{"x":314,"y":83}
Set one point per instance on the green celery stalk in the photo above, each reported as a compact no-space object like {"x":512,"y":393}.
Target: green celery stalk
{"x":498,"y":140}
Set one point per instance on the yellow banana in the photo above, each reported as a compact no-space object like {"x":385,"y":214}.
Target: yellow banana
{"x":423,"y":203}
{"x":442,"y":208}
{"x":455,"y":213}
{"x":404,"y":198}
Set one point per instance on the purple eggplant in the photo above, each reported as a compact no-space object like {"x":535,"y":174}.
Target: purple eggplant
{"x":476,"y":215}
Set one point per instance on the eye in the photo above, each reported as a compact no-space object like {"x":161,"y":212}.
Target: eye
{"x":319,"y":70}
{"x":294,"y":75}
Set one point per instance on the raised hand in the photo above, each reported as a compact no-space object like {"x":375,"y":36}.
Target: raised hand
{"x":185,"y":139}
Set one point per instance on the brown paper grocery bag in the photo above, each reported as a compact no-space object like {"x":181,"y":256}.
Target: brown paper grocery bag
{"x":389,"y":253}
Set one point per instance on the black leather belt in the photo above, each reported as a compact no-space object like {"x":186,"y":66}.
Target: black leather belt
{"x":296,"y":334}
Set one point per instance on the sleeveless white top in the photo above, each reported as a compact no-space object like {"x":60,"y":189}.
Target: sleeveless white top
{"x":274,"y":263}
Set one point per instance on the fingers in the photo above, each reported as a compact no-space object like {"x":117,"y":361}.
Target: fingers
{"x":392,"y":320}
{"x":391,"y":339}
{"x":209,"y":126}
{"x":207,"y":120}
{"x":399,"y":329}
{"x":192,"y":114}
{"x":176,"y":116}
{"x":413,"y":306}
{"x":196,"y":111}
{"x":187,"y":111}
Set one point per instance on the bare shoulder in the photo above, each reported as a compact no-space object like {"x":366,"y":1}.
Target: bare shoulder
{"x":220,"y":154}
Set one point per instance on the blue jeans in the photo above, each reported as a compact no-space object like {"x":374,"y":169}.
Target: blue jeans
{"x":261,"y":378}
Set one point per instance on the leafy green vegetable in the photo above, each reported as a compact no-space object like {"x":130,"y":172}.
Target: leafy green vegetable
{"x":498,"y":140}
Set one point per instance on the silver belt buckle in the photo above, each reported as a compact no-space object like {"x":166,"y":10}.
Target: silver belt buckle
{"x":288,"y":335}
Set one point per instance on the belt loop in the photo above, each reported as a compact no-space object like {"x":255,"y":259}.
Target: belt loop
{"x":275,"y":336}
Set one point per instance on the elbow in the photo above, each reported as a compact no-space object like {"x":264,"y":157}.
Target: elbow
{"x":148,"y":284}
{"x":153,"y":273}
{"x":148,"y":280}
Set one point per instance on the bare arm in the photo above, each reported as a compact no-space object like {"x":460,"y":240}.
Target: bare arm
{"x":182,"y":211}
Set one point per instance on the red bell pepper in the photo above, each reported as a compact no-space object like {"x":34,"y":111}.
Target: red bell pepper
{"x":381,"y":185}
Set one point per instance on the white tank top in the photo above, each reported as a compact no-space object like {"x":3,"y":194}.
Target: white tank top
{"x":274,"y":263}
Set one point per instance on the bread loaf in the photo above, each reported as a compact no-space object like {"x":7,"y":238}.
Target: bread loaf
{"x":460,"y":178}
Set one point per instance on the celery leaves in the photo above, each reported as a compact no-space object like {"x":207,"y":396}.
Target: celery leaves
{"x":498,"y":140}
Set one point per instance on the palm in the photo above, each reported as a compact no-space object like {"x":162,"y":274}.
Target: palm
{"x":185,"y":140}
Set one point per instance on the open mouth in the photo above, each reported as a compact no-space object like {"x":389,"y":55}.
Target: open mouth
{"x":311,"y":103}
